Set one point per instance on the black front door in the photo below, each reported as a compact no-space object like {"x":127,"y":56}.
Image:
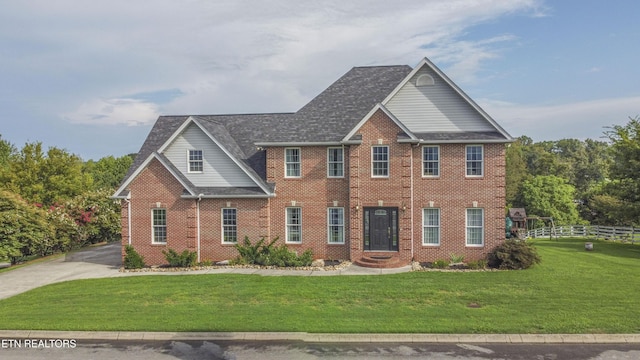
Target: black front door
{"x":381,"y":229}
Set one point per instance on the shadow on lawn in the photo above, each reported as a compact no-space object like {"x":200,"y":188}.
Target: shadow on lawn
{"x":602,"y":247}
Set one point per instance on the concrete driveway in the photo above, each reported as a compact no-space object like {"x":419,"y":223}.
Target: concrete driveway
{"x":93,"y":262}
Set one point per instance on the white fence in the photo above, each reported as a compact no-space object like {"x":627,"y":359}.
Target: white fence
{"x":615,"y":233}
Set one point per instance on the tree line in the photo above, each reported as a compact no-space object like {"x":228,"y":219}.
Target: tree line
{"x":52,"y":201}
{"x":578,"y":181}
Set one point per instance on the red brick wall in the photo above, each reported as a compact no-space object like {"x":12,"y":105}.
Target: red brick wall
{"x":452,"y":192}
{"x":392,"y":191}
{"x":155,"y":184}
{"x":252,"y":221}
{"x":313,"y":192}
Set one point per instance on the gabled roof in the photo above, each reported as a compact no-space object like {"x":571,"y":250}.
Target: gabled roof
{"x":407,"y":134}
{"x":332,"y":117}
{"x":500,"y":135}
{"x":335,"y":111}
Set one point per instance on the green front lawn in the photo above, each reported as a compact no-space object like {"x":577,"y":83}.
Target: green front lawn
{"x":572,"y":291}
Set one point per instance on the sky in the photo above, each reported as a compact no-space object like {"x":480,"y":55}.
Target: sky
{"x":91,"y":77}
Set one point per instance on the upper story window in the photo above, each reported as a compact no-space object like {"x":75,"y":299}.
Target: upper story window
{"x":159,"y":225}
{"x":196,"y":161}
{"x":335,"y":162}
{"x":475,"y":160}
{"x":292,"y":162}
{"x":431,"y":161}
{"x":380,"y":161}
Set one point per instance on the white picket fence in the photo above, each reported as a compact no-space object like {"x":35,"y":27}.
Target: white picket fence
{"x":614,"y":233}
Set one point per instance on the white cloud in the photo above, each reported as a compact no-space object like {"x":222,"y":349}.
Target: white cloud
{"x":129,"y":112}
{"x":237,"y":56}
{"x":579,"y":120}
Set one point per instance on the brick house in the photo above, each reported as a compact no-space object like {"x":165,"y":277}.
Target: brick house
{"x":388,"y":162}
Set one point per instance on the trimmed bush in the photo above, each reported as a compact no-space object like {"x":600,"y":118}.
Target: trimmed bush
{"x":133,"y":260}
{"x":513,"y":255}
{"x":185,"y":259}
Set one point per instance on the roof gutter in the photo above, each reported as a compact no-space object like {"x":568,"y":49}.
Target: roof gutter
{"x":465,"y":141}
{"x":202,"y":196}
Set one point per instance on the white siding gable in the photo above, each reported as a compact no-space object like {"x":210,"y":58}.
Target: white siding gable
{"x":435,"y":108}
{"x":218,"y":168}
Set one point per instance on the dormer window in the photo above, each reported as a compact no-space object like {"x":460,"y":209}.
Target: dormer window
{"x":425,"y":80}
{"x":196,"y":161}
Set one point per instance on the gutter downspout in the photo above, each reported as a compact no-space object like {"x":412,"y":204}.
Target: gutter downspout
{"x":128,"y":201}
{"x":412,"y":176}
{"x":198,"y":223}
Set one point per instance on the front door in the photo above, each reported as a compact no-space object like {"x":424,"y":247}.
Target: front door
{"x":380,"y":229}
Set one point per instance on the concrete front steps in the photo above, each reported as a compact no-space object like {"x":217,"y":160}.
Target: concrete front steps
{"x":381,"y":261}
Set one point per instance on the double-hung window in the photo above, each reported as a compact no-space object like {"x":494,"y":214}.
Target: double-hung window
{"x":380,"y":161}
{"x":294,"y":225}
{"x":159,"y":225}
{"x":335,"y":162}
{"x":292,"y":162}
{"x":475,"y":160}
{"x":475,"y":227}
{"x":431,"y":226}
{"x":431,"y":161}
{"x":335,"y":225}
{"x":196,"y":161}
{"x":229,"y":226}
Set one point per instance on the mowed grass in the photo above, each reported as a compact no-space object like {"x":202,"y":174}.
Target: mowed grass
{"x":572,"y":291}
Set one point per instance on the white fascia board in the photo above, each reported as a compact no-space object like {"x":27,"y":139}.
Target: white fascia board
{"x":293,"y":143}
{"x":143,"y":166}
{"x":239,"y":163}
{"x":370,"y":114}
{"x":229,"y":196}
{"x":432,"y":66}
{"x":469,"y":141}
{"x":177,"y":133}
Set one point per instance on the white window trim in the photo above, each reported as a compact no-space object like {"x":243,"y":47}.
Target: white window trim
{"x":153,"y":227}
{"x":286,"y":225}
{"x":388,"y":162}
{"x":222,"y":225}
{"x":328,"y":163}
{"x":439,"y":227}
{"x":439,"y":167}
{"x":189,"y":171}
{"x":466,"y":227}
{"x":466,"y":149}
{"x":329,"y":225}
{"x":299,"y":163}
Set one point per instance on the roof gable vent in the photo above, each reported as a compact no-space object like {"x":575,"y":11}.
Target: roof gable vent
{"x":425,"y":80}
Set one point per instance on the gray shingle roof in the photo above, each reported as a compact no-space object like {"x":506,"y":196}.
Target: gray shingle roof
{"x":329,"y":117}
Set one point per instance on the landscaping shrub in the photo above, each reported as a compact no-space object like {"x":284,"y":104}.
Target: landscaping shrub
{"x":185,"y":259}
{"x":249,"y":253}
{"x":270,"y":255}
{"x":513,"y":255}
{"x":440,"y":264}
{"x":477,"y":265}
{"x":132,"y":260}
